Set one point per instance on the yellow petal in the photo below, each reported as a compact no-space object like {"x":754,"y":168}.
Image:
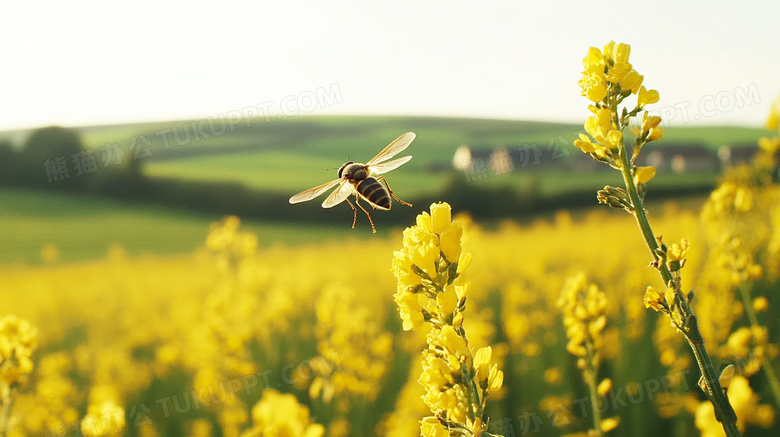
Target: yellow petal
{"x":441,"y":216}
{"x":622,"y":52}
{"x":642,"y":175}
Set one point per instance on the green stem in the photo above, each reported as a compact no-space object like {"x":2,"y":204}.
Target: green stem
{"x":5,"y":414}
{"x":723,"y":410}
{"x":596,"y":403}
{"x":773,"y":382}
{"x":766,"y":365}
{"x":641,"y":215}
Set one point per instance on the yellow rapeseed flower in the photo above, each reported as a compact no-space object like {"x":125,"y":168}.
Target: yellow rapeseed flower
{"x":642,"y":175}
{"x":553,"y":376}
{"x":432,"y":427}
{"x":676,"y":253}
{"x":594,"y":86}
{"x":281,"y":414}
{"x":482,"y":362}
{"x":654,"y":300}
{"x":495,"y":379}
{"x":656,"y":133}
{"x":646,"y":97}
{"x":604,"y":387}
{"x":760,"y":304}
{"x":599,"y":125}
{"x":18,"y":341}
{"x":621,"y":53}
{"x":632,"y":81}
{"x":584,"y":316}
{"x":454,"y":346}
{"x":610,"y":423}
{"x":103,"y":419}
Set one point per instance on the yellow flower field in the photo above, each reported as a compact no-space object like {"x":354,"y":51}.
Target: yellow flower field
{"x":194,"y":345}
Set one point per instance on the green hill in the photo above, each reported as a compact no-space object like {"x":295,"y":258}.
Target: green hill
{"x":295,"y":153}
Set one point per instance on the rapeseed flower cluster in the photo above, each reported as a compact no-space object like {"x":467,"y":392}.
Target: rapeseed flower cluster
{"x":228,"y":243}
{"x":584,"y":317}
{"x":52,"y":405}
{"x":741,"y":218}
{"x":607,"y":80}
{"x":104,"y":418}
{"x":431,"y":289}
{"x":350,"y":328}
{"x":278,"y":414}
{"x":18,"y":341}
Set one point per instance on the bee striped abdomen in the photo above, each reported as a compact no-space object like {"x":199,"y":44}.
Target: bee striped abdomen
{"x":374,"y":192}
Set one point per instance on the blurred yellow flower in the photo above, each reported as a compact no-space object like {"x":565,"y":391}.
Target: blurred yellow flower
{"x":18,"y":341}
{"x":604,"y":387}
{"x":760,"y":304}
{"x":553,"y":376}
{"x":50,"y":254}
{"x":103,"y":419}
{"x":745,"y":404}
{"x":773,"y":121}
{"x":278,"y":414}
{"x":609,"y":424}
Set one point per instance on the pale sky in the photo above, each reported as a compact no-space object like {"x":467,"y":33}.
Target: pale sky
{"x":98,"y":62}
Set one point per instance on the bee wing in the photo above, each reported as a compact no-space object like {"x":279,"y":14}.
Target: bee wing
{"x":393,"y":148}
{"x":311,"y":193}
{"x":338,"y":195}
{"x":385,"y":167}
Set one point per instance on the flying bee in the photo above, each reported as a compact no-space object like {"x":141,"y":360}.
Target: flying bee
{"x":359,"y":179}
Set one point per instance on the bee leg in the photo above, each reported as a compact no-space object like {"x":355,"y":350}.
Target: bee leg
{"x":354,"y":213}
{"x":382,"y":178}
{"x":370,"y":220}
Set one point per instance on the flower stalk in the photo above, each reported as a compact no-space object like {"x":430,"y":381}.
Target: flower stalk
{"x":432,"y":290}
{"x":584,"y":317}
{"x":769,"y":372}
{"x":607,"y":81}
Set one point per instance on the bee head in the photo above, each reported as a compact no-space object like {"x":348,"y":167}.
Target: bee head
{"x":341,"y":169}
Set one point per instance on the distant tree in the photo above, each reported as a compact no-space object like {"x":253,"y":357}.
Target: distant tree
{"x":9,"y":163}
{"x":9,"y":160}
{"x":47,"y":158}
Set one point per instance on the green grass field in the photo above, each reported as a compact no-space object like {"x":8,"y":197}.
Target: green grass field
{"x":84,"y":227}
